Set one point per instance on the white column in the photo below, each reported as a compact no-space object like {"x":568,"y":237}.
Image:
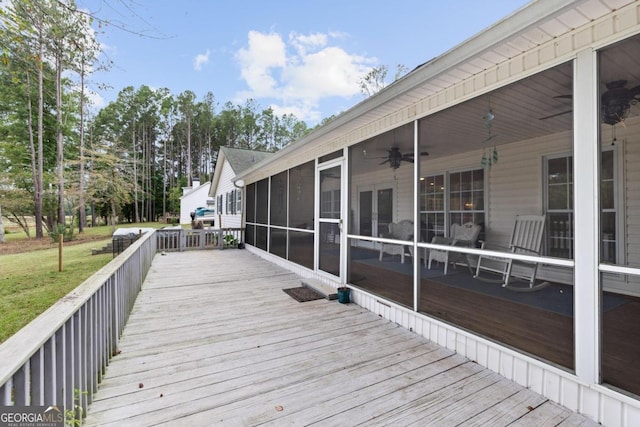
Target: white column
{"x":586,"y":229}
{"x":416,"y":218}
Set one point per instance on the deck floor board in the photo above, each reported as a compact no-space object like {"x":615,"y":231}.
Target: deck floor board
{"x":213,"y":340}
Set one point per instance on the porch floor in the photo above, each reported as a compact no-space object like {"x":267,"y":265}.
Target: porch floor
{"x":213,"y":340}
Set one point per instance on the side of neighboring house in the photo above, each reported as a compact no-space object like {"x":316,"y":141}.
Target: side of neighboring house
{"x":226,"y":194}
{"x":192,"y":198}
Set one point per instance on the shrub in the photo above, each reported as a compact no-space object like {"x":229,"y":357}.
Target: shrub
{"x":65,"y":231}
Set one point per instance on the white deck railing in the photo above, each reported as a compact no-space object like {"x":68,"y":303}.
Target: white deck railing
{"x":60,"y":357}
{"x":188,"y":239}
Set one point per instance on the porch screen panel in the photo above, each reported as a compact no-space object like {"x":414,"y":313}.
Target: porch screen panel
{"x":250,"y":234}
{"x":381,"y":206}
{"x":619,"y":196}
{"x":301,"y":248}
{"x":261,"y":237}
{"x":533,"y":313}
{"x":279,"y":193}
{"x":278,"y":243}
{"x":301,"y":196}
{"x":250,"y":203}
{"x":250,"y":206}
{"x":262,"y":201}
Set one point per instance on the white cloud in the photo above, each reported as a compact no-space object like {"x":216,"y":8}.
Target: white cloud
{"x":300,"y":73}
{"x":200,"y":60}
{"x":303,"y":43}
{"x":265,"y":53}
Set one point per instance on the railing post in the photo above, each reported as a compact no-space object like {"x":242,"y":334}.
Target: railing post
{"x":5,"y":393}
{"x":37,"y":377}
{"x":21,"y":386}
{"x":61,"y":368}
{"x":50,"y":371}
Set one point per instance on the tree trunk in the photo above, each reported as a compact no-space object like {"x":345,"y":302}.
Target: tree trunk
{"x":1,"y":227}
{"x":32,"y":149}
{"x":39,"y":183}
{"x":60,"y":154}
{"x":135,"y":172}
{"x":82,"y":214}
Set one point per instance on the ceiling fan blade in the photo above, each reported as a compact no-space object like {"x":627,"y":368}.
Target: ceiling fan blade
{"x":556,"y":115}
{"x":410,"y":159}
{"x":568,"y":96}
{"x":386,"y":161}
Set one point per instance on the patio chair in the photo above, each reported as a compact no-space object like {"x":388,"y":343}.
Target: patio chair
{"x":402,"y":230}
{"x":526,"y":238}
{"x":461,"y":235}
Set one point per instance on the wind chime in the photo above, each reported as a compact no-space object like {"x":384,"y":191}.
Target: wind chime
{"x":489,"y":154}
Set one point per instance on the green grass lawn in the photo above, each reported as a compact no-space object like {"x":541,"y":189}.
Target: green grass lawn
{"x":30,"y":282}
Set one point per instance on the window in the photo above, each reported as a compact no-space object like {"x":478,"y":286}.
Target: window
{"x":466,"y":197}
{"x":432,"y":212}
{"x":608,"y":206}
{"x":219,"y":203}
{"x":238,"y":201}
{"x":231,"y":206}
{"x":460,"y":202}
{"x":559,"y":206}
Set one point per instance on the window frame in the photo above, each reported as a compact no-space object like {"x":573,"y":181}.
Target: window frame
{"x":616,"y":210}
{"x":238,"y":201}
{"x":446,"y":211}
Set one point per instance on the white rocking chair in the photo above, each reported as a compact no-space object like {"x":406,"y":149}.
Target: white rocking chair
{"x":526,"y":238}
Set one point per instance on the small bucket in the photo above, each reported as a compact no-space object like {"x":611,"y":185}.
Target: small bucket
{"x":344,"y":295}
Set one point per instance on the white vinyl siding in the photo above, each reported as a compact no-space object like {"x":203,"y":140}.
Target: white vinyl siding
{"x":193,"y":199}
{"x":225,"y":188}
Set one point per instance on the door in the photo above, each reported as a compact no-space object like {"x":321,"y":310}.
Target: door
{"x":330,"y":218}
{"x":375,"y":210}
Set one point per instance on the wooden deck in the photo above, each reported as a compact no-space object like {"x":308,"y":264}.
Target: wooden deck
{"x":213,"y":340}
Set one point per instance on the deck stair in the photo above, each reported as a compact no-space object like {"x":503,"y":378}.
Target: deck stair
{"x":325,"y":289}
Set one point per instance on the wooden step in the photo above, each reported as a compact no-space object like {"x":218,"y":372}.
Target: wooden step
{"x":325,"y":289}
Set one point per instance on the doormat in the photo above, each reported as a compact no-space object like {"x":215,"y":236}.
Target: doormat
{"x":303,"y":294}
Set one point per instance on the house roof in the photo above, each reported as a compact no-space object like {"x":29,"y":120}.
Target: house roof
{"x":533,"y":25}
{"x":193,"y":190}
{"x":239,"y":159}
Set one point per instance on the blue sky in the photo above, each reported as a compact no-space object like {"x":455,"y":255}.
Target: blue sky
{"x":300,"y":57}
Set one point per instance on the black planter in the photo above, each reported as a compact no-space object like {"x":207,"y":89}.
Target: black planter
{"x":344,"y":295}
